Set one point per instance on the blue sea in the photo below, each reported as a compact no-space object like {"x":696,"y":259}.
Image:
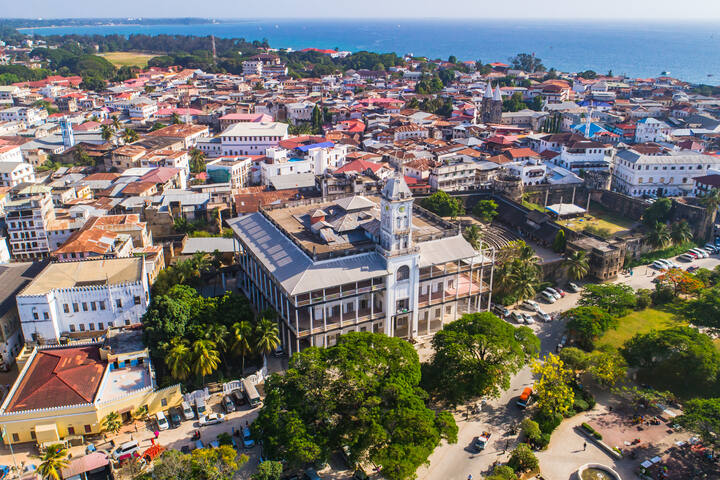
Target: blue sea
{"x":688,"y":51}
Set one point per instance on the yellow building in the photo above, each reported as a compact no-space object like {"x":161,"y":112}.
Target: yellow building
{"x":66,"y":391}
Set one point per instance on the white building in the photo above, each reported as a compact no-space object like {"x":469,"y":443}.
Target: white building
{"x":233,"y":170}
{"x":85,"y":296}
{"x":245,"y":139}
{"x":15,"y":173}
{"x":359,"y":264}
{"x":8,"y":94}
{"x":29,"y":115}
{"x":10,"y":153}
{"x":668,"y":174}
{"x":317,"y":159}
{"x":453,"y":175}
{"x":299,"y":112}
{"x":142,"y":108}
{"x":652,"y":130}
{"x":531,"y":172}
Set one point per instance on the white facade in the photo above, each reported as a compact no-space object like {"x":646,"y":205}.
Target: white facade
{"x":299,"y":111}
{"x":652,"y":130}
{"x":531,"y":172}
{"x":453,"y":176}
{"x":15,"y":173}
{"x":10,"y":154}
{"x":670,"y":174}
{"x":88,"y":308}
{"x":251,"y":138}
{"x":27,"y":115}
{"x":234,"y":170}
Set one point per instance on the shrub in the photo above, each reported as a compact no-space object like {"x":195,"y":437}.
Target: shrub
{"x":224,"y":439}
{"x":663,"y":294}
{"x":543,"y":442}
{"x":548,"y":423}
{"x":580,"y":405}
{"x":591,"y":431}
{"x":644,"y":299}
{"x":522,"y":459}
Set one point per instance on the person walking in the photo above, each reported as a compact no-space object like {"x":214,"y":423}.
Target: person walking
{"x":584,"y":446}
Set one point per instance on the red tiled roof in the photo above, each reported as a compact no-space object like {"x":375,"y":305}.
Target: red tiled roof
{"x":59,"y":377}
{"x":359,"y":166}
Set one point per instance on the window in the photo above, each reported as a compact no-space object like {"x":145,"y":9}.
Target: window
{"x":163,"y":402}
{"x":32,"y":434}
{"x":102,"y":304}
{"x":101,"y":326}
{"x":82,"y":327}
{"x":136,"y":299}
{"x":16,"y":437}
{"x":66,"y":308}
{"x":85,"y":307}
{"x":72,"y":328}
{"x":88,"y":429}
{"x":403,"y":273}
{"x":92,"y":326}
{"x":118,"y":303}
{"x":448,"y":310}
{"x":71,"y":430}
{"x":93,"y":306}
{"x":127,"y":322}
{"x":75,"y":307}
{"x":35,"y":316}
{"x":46,"y":316}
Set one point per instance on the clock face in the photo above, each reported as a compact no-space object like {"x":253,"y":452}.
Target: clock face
{"x":387,"y":207}
{"x":402,"y":209}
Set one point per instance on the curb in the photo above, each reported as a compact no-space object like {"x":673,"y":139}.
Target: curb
{"x":604,"y":446}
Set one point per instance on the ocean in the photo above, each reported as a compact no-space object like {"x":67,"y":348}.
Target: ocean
{"x":689,"y":51}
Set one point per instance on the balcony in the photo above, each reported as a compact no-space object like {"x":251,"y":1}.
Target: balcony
{"x":332,"y":320}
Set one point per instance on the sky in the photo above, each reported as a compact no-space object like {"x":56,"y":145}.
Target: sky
{"x":670,"y":10}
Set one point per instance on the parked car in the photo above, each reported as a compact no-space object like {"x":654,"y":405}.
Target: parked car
{"x":553,"y":292}
{"x":227,"y":404}
{"x":501,"y":311}
{"x":658,"y":265}
{"x":238,"y":398}
{"x":517,"y":317}
{"x":574,"y":287}
{"x":529,"y":319}
{"x":127,"y":448}
{"x":524,"y":400}
{"x":161,"y":420}
{"x":212,"y":419}
{"x":693,"y":268}
{"x":248,"y":441}
{"x":480,"y":442}
{"x":531,"y":305}
{"x":187,"y":411}
{"x":547,"y":296}
{"x":543,"y":317}
{"x":686,"y":257}
{"x":700,"y":253}
{"x":712,"y":247}
{"x":692,"y":254}
{"x":175,"y":418}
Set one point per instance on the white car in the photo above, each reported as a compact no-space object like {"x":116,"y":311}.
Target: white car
{"x":528,"y":319}
{"x":553,"y":292}
{"x":531,"y":305}
{"x":127,"y":448}
{"x":212,"y":419}
{"x":547,"y":296}
{"x":700,"y":253}
{"x":544,"y":317}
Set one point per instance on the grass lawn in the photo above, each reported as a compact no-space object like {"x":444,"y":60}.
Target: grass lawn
{"x":533,"y":206}
{"x":127,"y":59}
{"x":637,"y":322}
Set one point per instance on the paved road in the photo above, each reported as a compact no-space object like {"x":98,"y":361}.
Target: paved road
{"x":565,"y":453}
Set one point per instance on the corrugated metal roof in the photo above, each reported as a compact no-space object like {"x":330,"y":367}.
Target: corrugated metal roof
{"x":444,"y":250}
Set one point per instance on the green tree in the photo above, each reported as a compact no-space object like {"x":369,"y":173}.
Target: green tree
{"x":659,"y":235}
{"x":578,"y":360}
{"x":502,"y":472}
{"x":242,"y":335}
{"x":206,"y":357}
{"x":552,"y":390}
{"x":216,"y":463}
{"x":560,"y":241}
{"x":522,"y":459}
{"x":680,"y":232}
{"x":679,"y":359}
{"x":607,"y":366}
{"x":704,"y":311}
{"x":179,"y":359}
{"x":175,"y":118}
{"x":711,"y":202}
{"x":361,"y":393}
{"x":266,"y":336}
{"x":443,"y":204}
{"x":316,"y":120}
{"x":476,"y":356}
{"x":130,"y":136}
{"x":659,"y":211}
{"x":106,"y":133}
{"x":472,"y":235}
{"x":526,"y":62}
{"x":531,"y":430}
{"x":197,"y":161}
{"x":585,"y":324}
{"x":615,"y":299}
{"x":268,"y":470}
{"x":111,"y":423}
{"x":702,"y":416}
{"x":485,"y":210}
{"x":94,"y":83}
{"x":578,"y":264}
{"x":173,"y":464}
{"x":52,"y":461}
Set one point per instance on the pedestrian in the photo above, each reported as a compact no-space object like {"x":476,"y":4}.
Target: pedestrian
{"x":470,"y":477}
{"x":507,"y":444}
{"x":584,"y":446}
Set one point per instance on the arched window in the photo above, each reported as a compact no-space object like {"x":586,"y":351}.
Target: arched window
{"x":403,"y":273}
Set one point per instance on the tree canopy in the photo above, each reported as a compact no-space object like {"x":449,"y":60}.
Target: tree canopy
{"x":443,"y":204}
{"x":702,"y":416}
{"x":585,"y":324}
{"x":659,"y":211}
{"x":679,"y":359}
{"x":485,"y":210}
{"x":615,"y":299}
{"x":477,"y":356}
{"x":362,"y":393}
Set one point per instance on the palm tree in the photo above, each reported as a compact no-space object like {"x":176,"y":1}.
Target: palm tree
{"x":266,"y":336}
{"x":472,"y":235}
{"x":202,"y":261}
{"x":112,"y":422}
{"x":206,"y":359}
{"x":680,"y":232}
{"x":107,"y":133}
{"x":219,"y":334}
{"x":140,"y":413}
{"x":216,"y":214}
{"x":178,"y":359}
{"x":130,"y":135}
{"x":197,"y":161}
{"x":578,"y":264}
{"x":711,"y":201}
{"x":115,"y":123}
{"x":659,"y":235}
{"x":524,"y":278}
{"x":241,"y":337}
{"x":53,"y":459}
{"x":176,"y":119}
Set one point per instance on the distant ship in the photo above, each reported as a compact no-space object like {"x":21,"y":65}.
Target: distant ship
{"x":666,"y":72}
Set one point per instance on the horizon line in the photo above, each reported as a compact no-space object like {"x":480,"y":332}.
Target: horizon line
{"x":593,"y":19}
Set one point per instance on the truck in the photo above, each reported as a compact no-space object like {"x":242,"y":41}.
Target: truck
{"x":481,"y":441}
{"x":524,"y":398}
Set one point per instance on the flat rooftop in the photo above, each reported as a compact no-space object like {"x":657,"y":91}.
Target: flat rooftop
{"x":121,"y":381}
{"x":111,"y":271}
{"x":289,"y":219}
